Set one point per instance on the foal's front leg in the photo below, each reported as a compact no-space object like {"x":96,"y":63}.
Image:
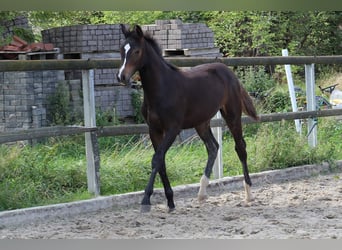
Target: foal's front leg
{"x":161,"y":144}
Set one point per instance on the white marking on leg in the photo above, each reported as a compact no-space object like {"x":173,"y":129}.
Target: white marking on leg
{"x":127,"y":48}
{"x":202,"y":193}
{"x":249,"y":196}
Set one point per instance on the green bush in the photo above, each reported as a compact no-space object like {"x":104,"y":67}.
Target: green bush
{"x":256,"y":81}
{"x":277,"y":101}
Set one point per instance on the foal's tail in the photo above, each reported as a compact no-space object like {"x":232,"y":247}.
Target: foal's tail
{"x":247,"y":104}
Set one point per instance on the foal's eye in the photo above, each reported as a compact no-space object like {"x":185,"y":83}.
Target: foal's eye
{"x":136,"y":52}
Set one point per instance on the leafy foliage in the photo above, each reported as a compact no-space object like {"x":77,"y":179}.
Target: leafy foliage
{"x":137,"y":99}
{"x":6,"y":16}
{"x":253,"y":33}
{"x":237,"y":33}
{"x":59,"y":106}
{"x":256,"y":81}
{"x":277,"y":101}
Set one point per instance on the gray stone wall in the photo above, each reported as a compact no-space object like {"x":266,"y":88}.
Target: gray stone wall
{"x":88,"y":42}
{"x":114,"y":98}
{"x":23,"y":98}
{"x":85,"y":38}
{"x":95,"y":42}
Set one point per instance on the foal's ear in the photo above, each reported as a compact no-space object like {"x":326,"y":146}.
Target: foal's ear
{"x":124,"y":29}
{"x":138,"y":30}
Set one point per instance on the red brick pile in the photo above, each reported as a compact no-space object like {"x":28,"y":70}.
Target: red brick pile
{"x":19,"y":45}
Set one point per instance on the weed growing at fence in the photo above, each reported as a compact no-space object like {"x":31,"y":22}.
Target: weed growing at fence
{"x":59,"y":103}
{"x":55,"y":171}
{"x":137,"y":99}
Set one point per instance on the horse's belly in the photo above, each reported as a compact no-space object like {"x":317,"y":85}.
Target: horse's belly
{"x":196,"y":118}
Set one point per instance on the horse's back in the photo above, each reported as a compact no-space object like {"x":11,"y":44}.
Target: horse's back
{"x":208,"y":88}
{"x":212,"y":73}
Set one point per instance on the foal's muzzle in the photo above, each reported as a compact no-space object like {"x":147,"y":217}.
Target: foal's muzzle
{"x":124,"y":76}
{"x":121,"y":78}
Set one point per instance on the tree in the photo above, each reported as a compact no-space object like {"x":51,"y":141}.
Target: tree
{"x":252,"y":33}
{"x":7,"y":28}
{"x":237,"y":33}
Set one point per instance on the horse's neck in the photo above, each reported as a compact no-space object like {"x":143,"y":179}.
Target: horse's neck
{"x":153,"y":76}
{"x":152,"y":85}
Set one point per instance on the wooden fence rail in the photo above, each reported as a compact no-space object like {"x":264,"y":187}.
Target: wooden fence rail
{"x":37,"y":133}
{"x":84,"y":64}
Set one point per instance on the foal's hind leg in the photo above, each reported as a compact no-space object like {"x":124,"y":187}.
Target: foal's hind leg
{"x":212,"y":146}
{"x":235,"y":128}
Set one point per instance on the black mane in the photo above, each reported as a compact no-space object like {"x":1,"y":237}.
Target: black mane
{"x":154,"y":44}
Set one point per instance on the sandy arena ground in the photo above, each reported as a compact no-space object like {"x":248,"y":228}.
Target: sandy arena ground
{"x":307,"y":208}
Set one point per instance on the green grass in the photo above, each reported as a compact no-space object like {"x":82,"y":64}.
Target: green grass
{"x":55,"y":171}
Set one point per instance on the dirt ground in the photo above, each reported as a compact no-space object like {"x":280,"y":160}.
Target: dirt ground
{"x":308,"y":208}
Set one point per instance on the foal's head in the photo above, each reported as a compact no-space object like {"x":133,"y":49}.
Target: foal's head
{"x":138,"y":50}
{"x":132,"y":52}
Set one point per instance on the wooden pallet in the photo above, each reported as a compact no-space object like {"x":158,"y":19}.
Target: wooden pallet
{"x":192,"y":52}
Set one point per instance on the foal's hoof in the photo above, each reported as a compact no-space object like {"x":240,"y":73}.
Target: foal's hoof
{"x":249,"y":199}
{"x":172,"y":209}
{"x":145,"y":208}
{"x":202,"y":197}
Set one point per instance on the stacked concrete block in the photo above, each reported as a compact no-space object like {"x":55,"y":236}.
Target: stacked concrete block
{"x":23,"y":98}
{"x":18,"y":100}
{"x":2,"y":106}
{"x":94,"y":42}
{"x":76,"y":98}
{"x":84,"y":38}
{"x":103,"y":76}
{"x":88,"y":42}
{"x":114,"y":98}
{"x":173,"y":35}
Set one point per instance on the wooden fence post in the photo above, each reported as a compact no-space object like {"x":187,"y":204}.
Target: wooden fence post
{"x":92,"y":148}
{"x":311,"y":103}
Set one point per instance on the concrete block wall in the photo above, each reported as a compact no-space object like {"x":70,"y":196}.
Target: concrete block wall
{"x":23,"y":98}
{"x":174,"y":34}
{"x":88,"y":42}
{"x":118,"y":98}
{"x":84,"y":38}
{"x":95,"y":42}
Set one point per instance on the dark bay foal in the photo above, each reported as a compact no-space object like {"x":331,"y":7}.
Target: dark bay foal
{"x":176,"y":100}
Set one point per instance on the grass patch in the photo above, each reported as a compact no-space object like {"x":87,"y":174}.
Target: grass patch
{"x":55,"y":171}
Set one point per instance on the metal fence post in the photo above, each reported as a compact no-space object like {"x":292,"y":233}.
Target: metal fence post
{"x":218,"y":165}
{"x":92,"y":149}
{"x":290,"y":85}
{"x":311,"y":103}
